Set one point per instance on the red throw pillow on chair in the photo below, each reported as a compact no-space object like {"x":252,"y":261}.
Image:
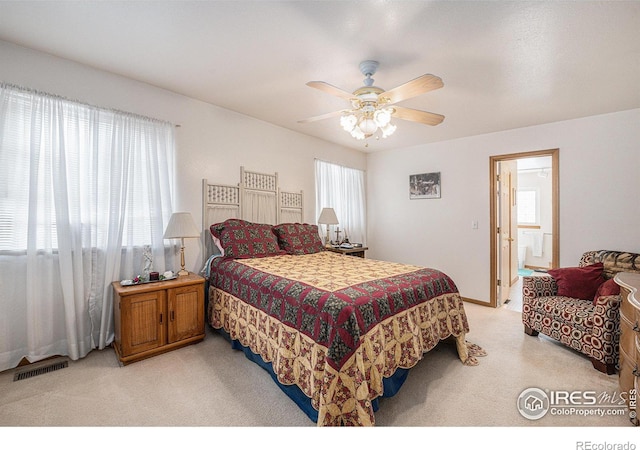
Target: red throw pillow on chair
{"x":609,"y":287}
{"x":578,"y":282}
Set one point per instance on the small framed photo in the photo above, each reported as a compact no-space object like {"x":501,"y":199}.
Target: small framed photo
{"x":424,"y":185}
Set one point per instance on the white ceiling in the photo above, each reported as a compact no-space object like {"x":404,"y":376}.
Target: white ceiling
{"x":505,"y":64}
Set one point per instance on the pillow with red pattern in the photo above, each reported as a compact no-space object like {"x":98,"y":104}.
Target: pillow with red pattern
{"x":217,"y":228}
{"x":607,"y":288}
{"x":251,"y":240}
{"x":298,"y":238}
{"x":578,"y":282}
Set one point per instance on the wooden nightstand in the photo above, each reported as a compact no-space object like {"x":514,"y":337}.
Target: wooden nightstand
{"x":355,"y":251}
{"x":154,"y":318}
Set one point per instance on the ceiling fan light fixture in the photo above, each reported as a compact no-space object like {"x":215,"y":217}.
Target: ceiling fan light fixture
{"x":365,"y":122}
{"x":372,"y":108}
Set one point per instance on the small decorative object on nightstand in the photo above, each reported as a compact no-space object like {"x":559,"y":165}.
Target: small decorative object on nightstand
{"x":153,"y":318}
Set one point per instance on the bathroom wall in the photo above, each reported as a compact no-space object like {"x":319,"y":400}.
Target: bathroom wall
{"x":536,"y":243}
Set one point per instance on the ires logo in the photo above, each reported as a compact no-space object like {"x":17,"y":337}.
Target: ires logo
{"x":535,"y":403}
{"x":574,"y":398}
{"x":633,"y":413}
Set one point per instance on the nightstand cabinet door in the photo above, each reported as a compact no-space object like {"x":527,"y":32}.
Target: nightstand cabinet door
{"x":186,"y":312}
{"x":143,"y":316}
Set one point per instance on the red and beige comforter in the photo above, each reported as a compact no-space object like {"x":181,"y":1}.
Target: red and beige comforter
{"x":335,"y":325}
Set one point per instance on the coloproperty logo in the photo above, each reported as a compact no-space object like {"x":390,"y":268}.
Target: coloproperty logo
{"x":535,"y":403}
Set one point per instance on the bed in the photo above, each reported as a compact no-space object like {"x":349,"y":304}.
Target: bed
{"x":335,"y":332}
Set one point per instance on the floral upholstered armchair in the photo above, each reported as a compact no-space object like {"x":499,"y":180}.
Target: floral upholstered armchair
{"x":579,"y":306}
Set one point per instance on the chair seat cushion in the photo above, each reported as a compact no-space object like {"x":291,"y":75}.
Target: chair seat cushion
{"x":574,"y":323}
{"x":566,"y":312}
{"x":565,"y":319}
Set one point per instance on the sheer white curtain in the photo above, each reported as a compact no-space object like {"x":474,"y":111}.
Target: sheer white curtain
{"x":343,"y":189}
{"x":82,"y":191}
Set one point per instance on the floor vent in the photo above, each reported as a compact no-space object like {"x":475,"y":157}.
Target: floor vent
{"x":41,"y":367}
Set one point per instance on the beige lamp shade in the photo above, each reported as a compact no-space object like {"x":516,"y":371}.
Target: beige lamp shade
{"x":328,"y":217}
{"x":181,"y":225}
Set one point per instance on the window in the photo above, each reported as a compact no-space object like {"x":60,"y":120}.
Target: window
{"x":84,"y":191}
{"x":343,"y":189}
{"x":65,"y":161}
{"x":528,"y":202}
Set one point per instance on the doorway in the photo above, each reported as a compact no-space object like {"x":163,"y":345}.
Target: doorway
{"x":509,"y":225}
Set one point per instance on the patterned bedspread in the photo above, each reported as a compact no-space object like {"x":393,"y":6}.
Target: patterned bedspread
{"x":335,"y":325}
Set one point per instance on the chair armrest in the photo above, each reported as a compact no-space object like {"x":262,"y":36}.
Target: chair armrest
{"x":608,"y":308}
{"x":606,"y":320}
{"x":538,"y":286}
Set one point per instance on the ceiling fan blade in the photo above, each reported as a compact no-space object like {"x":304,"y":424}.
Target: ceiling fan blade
{"x":330,"y":89}
{"x":415,"y":115}
{"x":322,"y":117}
{"x":420,"y":85}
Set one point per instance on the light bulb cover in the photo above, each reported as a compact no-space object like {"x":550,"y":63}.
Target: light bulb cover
{"x":367,"y":125}
{"x":388,"y":130}
{"x":348,"y":122}
{"x":382,"y":117}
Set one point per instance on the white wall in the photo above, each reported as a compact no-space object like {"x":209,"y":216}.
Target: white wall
{"x":599,"y":185}
{"x":212,"y":142}
{"x":599,"y":161}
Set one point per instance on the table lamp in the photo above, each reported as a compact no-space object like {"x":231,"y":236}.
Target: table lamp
{"x":181,"y":225}
{"x":328,"y":217}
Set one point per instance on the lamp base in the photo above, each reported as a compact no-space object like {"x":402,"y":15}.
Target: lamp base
{"x":182,"y":272}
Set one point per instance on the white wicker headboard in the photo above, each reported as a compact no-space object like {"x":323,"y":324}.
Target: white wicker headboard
{"x":257,"y":198}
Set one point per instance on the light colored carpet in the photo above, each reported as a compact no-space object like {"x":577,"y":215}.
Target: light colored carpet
{"x":211,"y":385}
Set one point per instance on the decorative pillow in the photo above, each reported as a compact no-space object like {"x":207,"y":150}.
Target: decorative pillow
{"x":609,"y":287}
{"x":298,"y":238}
{"x":217,"y":228}
{"x":249,"y":241}
{"x":578,"y":282}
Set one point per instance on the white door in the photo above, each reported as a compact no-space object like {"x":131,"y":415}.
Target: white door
{"x":507,"y":229}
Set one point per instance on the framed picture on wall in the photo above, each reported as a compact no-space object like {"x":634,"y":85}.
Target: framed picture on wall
{"x":424,"y":185}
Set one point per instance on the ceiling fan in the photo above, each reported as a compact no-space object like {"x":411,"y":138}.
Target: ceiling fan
{"x":372,"y":107}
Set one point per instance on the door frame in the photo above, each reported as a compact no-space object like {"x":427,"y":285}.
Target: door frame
{"x":493,"y":210}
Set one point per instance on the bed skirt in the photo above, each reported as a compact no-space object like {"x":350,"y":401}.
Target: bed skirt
{"x":391,"y":385}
